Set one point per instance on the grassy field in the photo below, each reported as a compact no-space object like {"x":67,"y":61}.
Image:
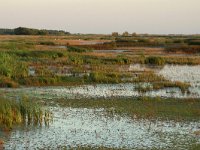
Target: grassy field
{"x":48,"y":55}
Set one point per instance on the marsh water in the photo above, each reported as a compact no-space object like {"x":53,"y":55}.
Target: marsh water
{"x":95,"y":128}
{"x":110,"y":51}
{"x":73,"y":127}
{"x":188,"y":74}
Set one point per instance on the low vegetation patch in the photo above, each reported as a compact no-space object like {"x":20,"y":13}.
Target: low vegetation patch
{"x":153,"y":60}
{"x":47,"y":43}
{"x":144,"y":107}
{"x":190,"y":49}
{"x":11,"y":69}
{"x":78,"y":49}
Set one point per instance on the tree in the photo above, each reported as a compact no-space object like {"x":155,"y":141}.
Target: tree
{"x":125,"y":33}
{"x":134,"y":34}
{"x":115,"y":34}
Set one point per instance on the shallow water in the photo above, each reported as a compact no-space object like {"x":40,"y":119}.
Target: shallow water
{"x":93,"y":127}
{"x":92,"y":91}
{"x":109,"y":51}
{"x":190,"y":74}
{"x":184,"y":73}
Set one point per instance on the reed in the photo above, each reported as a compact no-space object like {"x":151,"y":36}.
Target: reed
{"x":22,"y":112}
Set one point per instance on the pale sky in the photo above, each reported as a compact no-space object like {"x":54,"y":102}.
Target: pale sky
{"x":103,"y":16}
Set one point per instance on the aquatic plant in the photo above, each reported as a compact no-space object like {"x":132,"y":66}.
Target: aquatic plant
{"x":153,"y":60}
{"x":78,"y":49}
{"x":22,"y":112}
{"x":47,"y":43}
{"x":11,"y":66}
{"x":102,"y":77}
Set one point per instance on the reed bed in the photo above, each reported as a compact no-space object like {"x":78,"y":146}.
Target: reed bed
{"x":22,"y":112}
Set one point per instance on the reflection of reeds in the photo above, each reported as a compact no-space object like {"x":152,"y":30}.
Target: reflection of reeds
{"x":143,"y":107}
{"x":22,"y":112}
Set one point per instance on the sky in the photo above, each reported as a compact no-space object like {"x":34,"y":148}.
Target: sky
{"x":104,"y":16}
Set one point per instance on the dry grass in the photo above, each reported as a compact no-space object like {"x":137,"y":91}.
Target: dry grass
{"x":59,"y":40}
{"x":197,"y":133}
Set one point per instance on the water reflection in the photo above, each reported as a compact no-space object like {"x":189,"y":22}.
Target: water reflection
{"x":93,"y":127}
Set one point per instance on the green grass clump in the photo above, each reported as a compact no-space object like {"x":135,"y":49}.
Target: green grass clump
{"x":47,"y":43}
{"x":153,"y":60}
{"x":101,"y":77}
{"x":38,"y":54}
{"x":51,"y":81}
{"x":10,"y":66}
{"x":11,"y":69}
{"x":21,"y":112}
{"x":16,"y":46}
{"x":167,"y":84}
{"x":78,"y":49}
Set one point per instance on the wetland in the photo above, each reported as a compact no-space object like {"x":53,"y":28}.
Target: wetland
{"x":99,"y":92}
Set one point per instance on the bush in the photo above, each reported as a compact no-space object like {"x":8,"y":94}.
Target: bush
{"x":30,"y":31}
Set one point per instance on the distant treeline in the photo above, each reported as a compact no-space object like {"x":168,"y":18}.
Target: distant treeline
{"x":30,"y":31}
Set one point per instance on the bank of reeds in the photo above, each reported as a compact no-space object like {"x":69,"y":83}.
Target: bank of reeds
{"x":13,"y":112}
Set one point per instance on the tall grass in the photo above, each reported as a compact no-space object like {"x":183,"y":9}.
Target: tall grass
{"x":16,"y":46}
{"x":22,"y":112}
{"x":153,"y":60}
{"x":11,"y":66}
{"x":78,"y":49}
{"x":47,"y":43}
{"x":11,"y":69}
